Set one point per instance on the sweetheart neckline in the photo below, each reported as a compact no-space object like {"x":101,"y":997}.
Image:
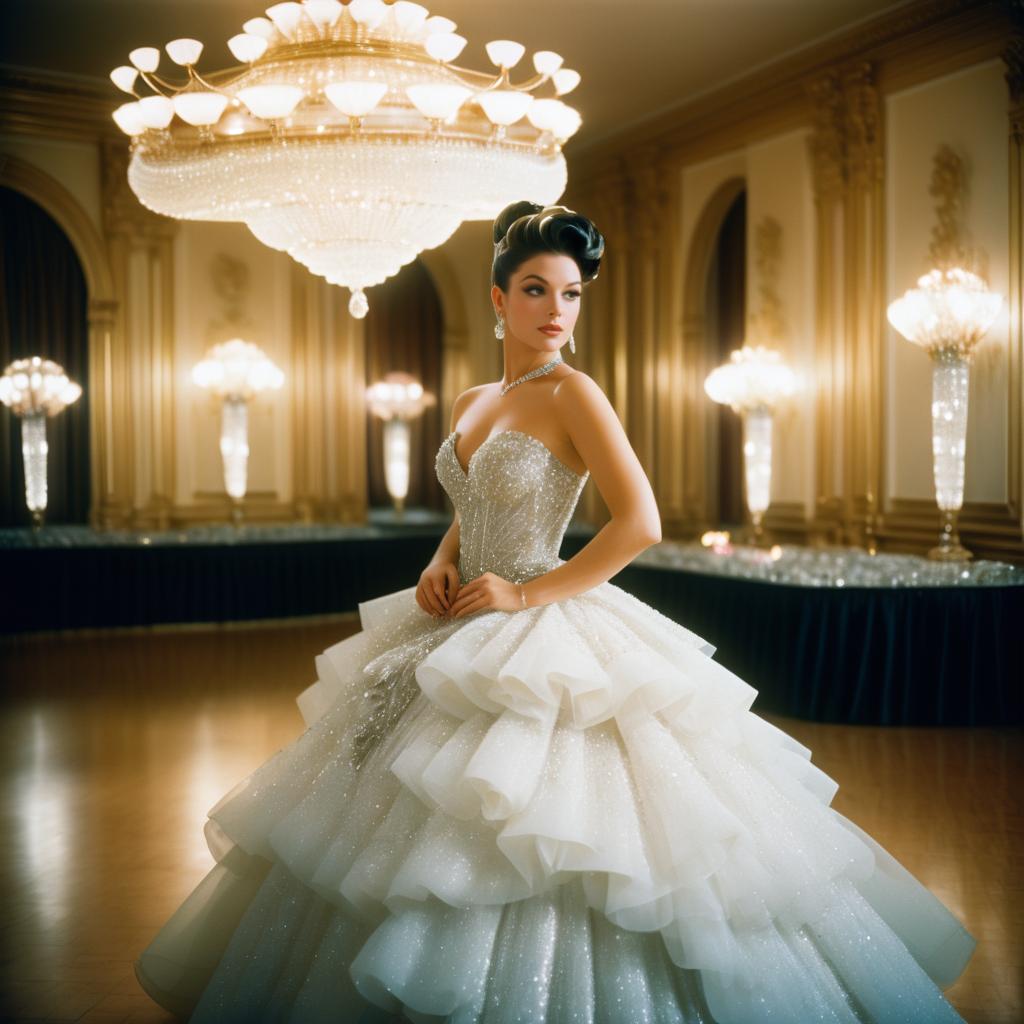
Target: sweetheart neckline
{"x":522,"y":433}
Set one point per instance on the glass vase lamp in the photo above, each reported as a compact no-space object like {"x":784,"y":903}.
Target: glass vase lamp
{"x":947,"y":314}
{"x":236,"y":371}
{"x":752,"y":383}
{"x":398,"y":399}
{"x":34,"y":389}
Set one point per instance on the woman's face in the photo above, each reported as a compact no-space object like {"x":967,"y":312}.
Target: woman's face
{"x":544,"y":290}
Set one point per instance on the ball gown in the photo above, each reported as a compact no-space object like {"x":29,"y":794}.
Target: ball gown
{"x":565,"y":813}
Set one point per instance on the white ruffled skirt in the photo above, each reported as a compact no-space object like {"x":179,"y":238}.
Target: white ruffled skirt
{"x":566,"y":813}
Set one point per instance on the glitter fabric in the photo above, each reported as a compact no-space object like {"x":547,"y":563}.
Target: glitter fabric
{"x":564,"y":814}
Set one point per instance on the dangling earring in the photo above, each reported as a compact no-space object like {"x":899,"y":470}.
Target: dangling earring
{"x":572,"y":344}
{"x":499,"y":328}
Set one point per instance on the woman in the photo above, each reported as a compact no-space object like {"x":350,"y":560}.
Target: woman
{"x":526,"y":795}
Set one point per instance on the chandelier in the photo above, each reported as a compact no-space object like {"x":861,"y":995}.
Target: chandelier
{"x":947,"y":315}
{"x":753,"y":382}
{"x":34,"y":389}
{"x":347,"y":138}
{"x":236,"y":371}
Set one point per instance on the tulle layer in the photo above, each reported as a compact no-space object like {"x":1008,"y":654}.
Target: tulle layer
{"x":294,"y":957}
{"x":586,"y":760}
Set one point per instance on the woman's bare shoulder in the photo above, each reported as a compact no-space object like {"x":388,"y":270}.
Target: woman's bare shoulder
{"x":466,"y":399}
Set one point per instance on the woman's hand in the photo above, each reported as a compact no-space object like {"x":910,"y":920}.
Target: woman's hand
{"x":439,"y":583}
{"x":486,"y":591}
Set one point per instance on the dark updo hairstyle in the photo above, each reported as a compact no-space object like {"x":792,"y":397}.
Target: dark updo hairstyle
{"x":525,"y":229}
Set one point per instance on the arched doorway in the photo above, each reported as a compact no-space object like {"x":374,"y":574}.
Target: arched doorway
{"x":726,"y":306}
{"x":44,"y":311}
{"x":404,"y":331}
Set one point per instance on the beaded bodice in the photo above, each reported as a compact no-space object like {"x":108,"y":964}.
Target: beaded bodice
{"x":514,"y":503}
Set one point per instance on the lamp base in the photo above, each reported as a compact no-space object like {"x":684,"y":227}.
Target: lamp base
{"x":949,"y":548}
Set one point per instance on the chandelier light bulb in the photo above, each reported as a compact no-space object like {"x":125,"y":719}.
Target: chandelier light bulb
{"x":237,"y":369}
{"x":504,"y":53}
{"x":199,"y":108}
{"x":271,"y":102}
{"x":286,"y":18}
{"x":565,"y":80}
{"x":260,"y":27}
{"x":546,"y":62}
{"x":438,"y":102}
{"x":409,"y":17}
{"x":754,"y":378}
{"x":185,"y":52}
{"x":124,"y":78}
{"x":248,"y":47}
{"x":37,"y":386}
{"x":948,"y":310}
{"x":156,"y":111}
{"x":356,"y":99}
{"x":504,"y":106}
{"x":323,"y":13}
{"x":444,"y":46}
{"x":145,"y":58}
{"x":128,"y":118}
{"x":368,"y":13}
{"x":437,"y":23}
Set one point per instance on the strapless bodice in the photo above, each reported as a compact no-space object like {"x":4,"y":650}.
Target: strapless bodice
{"x":514,"y":503}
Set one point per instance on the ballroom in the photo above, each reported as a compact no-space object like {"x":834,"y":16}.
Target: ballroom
{"x":360,"y":666}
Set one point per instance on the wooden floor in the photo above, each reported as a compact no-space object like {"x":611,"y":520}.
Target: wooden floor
{"x":113,"y":747}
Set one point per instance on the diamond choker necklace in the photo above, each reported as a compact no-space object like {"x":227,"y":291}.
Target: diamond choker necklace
{"x":540,"y":371}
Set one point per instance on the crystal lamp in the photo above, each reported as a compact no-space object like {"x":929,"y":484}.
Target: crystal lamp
{"x":33,"y":389}
{"x":753,"y":381}
{"x":947,"y":314}
{"x":236,"y":371}
{"x":397,"y":399}
{"x":347,"y":136}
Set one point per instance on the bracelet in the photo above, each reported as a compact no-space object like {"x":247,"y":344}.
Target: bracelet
{"x":522,"y":594}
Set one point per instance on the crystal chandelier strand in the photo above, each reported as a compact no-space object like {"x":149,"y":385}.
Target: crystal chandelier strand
{"x":950,"y":382}
{"x":757,"y":460}
{"x":33,"y":453}
{"x":234,"y":445}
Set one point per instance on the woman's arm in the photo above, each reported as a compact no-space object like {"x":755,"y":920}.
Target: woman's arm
{"x":591,"y":423}
{"x":448,"y":549}
{"x":635,"y":524}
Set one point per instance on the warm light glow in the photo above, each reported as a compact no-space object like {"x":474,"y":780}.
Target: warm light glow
{"x":398,"y":394}
{"x":950,"y":309}
{"x":37,"y":385}
{"x":754,"y":377}
{"x":237,"y":369}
